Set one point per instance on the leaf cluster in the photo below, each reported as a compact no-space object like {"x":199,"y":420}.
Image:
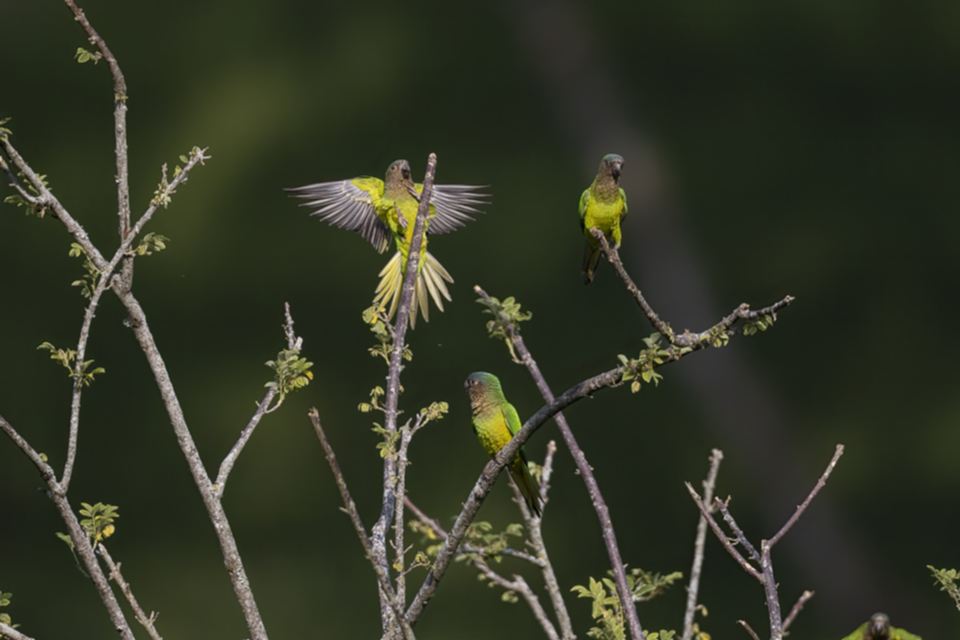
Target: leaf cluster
{"x":88,"y":284}
{"x":82,"y":56}
{"x":376,"y":318}
{"x":5,"y":617}
{"x":292,"y":373}
{"x":150,"y":244}
{"x":505,"y":314}
{"x":66,"y":357}
{"x":949,"y":580}
{"x":642,"y":367}
{"x":16,"y":199}
{"x":489,"y":544}
{"x":607,"y":611}
{"x":762,"y":323}
{"x":98,"y":524}
{"x":429,"y":538}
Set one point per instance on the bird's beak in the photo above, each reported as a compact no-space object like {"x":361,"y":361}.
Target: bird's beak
{"x":615,"y":170}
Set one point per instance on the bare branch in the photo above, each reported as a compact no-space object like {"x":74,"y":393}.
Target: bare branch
{"x":716,"y":457}
{"x":102,"y":284}
{"x":806,"y":595}
{"x":116,"y":576}
{"x":227,"y":465}
{"x":119,"y":118}
{"x":749,"y":629}
{"x":692,"y":341}
{"x":78,"y":536}
{"x":737,"y":531}
{"x":586,"y":472}
{"x":383,"y":577}
{"x":12,"y":633}
{"x":520,"y":586}
{"x":813,"y":494}
{"x":208,"y":491}
{"x":770,"y":590}
{"x":535,"y":533}
{"x":724,"y":540}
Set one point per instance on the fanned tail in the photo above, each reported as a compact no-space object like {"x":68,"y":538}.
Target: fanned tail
{"x":429,"y":284}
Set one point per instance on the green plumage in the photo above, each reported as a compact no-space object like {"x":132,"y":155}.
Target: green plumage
{"x":878,"y":628}
{"x":602,"y":206}
{"x":495,"y":422}
{"x":383,"y":209}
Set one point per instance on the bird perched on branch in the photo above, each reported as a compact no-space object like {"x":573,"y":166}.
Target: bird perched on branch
{"x":383,"y":209}
{"x":602,"y":206}
{"x":496,"y":422}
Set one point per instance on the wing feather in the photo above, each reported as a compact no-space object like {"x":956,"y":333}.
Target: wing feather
{"x":348,"y":204}
{"x":453,"y":205}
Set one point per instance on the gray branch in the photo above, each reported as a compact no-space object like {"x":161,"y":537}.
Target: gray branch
{"x":716,"y":457}
{"x":146,"y":621}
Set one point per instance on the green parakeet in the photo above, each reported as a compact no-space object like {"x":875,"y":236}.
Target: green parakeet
{"x":602,"y":206}
{"x":383,"y":209}
{"x":878,"y":628}
{"x":496,"y":421}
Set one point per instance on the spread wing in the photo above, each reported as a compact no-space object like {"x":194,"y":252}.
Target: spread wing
{"x":452,"y":205}
{"x":349,"y":204}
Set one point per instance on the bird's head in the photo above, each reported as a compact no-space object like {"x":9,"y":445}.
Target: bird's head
{"x":612,"y":165}
{"x":878,"y":628}
{"x":479,"y":384}
{"x":398,"y":173}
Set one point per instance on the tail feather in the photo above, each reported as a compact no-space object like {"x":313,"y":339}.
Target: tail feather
{"x":591,"y":259}
{"x":520,"y":473}
{"x":429,"y":284}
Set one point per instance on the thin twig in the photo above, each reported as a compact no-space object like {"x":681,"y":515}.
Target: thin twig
{"x":231,"y":458}
{"x":465,"y":549}
{"x":749,"y":629}
{"x":687,"y":340}
{"x":119,"y":117}
{"x":146,"y":621}
{"x":519,"y":585}
{"x":102,"y":284}
{"x":383,"y":577}
{"x":735,"y":528}
{"x":12,"y":633}
{"x":293,"y":342}
{"x":78,"y":536}
{"x":586,"y":472}
{"x":806,"y":595}
{"x":724,"y":540}
{"x":535,"y":534}
{"x":693,"y":588}
{"x":813,"y":494}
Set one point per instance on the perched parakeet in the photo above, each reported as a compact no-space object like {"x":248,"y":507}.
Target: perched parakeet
{"x":602,"y":206}
{"x":878,"y":628}
{"x":495,"y":422}
{"x":383,"y":209}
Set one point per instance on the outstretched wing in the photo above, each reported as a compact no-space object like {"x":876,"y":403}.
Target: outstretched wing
{"x":349,"y":204}
{"x":452,"y":205}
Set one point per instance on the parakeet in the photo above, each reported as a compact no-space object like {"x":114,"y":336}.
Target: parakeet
{"x":383,"y":209}
{"x":602,"y":206}
{"x":496,"y":421}
{"x":878,"y":628}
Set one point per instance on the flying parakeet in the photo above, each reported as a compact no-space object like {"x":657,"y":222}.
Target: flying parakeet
{"x":383,"y":209}
{"x":496,"y":421}
{"x":602,"y":206}
{"x":878,"y":628}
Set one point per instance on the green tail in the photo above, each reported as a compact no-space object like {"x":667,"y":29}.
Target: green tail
{"x":591,"y":259}
{"x":527,"y":485}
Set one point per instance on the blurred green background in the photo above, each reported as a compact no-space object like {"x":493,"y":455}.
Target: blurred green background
{"x":807,"y":148}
